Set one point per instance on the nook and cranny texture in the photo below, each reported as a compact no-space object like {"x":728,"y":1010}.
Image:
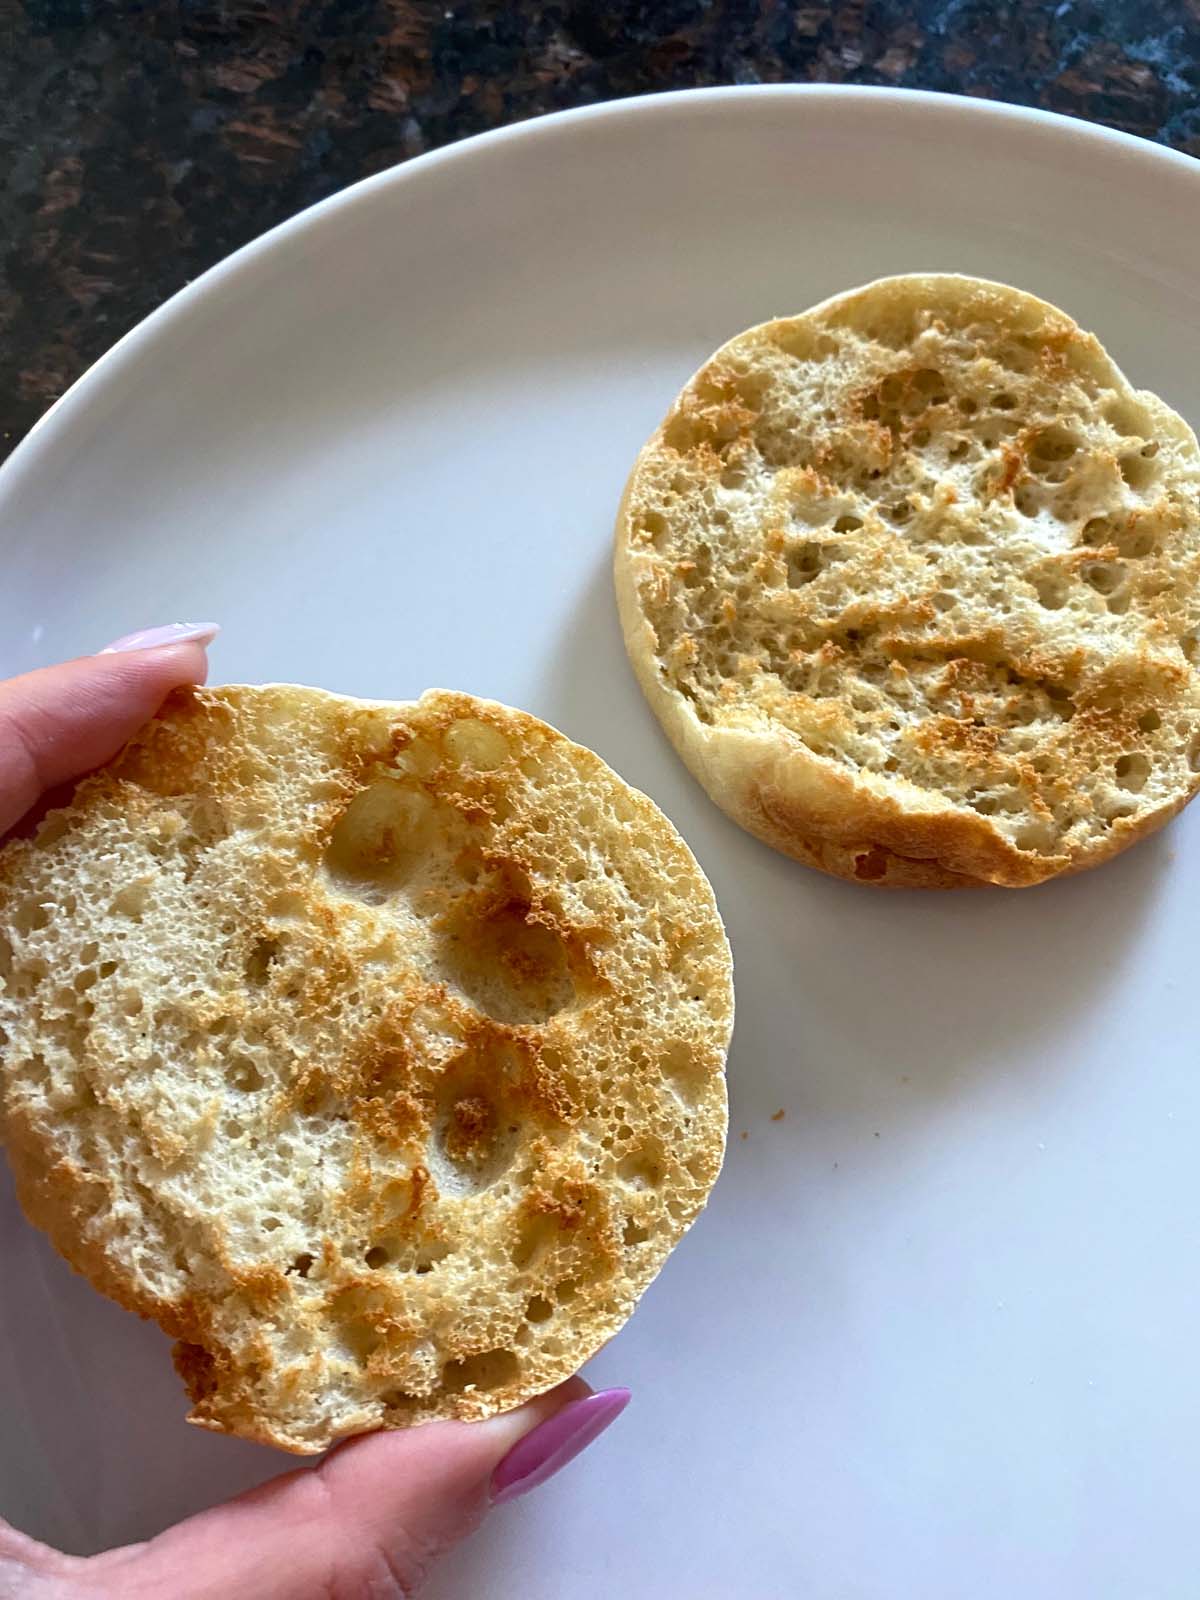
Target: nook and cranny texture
{"x":376,"y":1051}
{"x":913,"y":583}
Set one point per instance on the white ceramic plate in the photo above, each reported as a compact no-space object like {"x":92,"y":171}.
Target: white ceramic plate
{"x":935,"y":1335}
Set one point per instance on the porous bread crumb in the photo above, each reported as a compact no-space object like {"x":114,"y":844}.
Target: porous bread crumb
{"x":913,"y":582}
{"x":374,"y":1050}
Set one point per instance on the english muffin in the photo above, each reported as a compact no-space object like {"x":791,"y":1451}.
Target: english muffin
{"x":911,"y":582}
{"x":374,"y":1050}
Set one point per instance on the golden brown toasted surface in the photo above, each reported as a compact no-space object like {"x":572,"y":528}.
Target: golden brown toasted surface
{"x":376,"y":1051}
{"x":913,"y":583}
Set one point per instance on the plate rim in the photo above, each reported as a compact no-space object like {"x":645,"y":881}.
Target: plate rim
{"x":111,"y":364}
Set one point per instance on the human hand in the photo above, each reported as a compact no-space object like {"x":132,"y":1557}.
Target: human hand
{"x":367,"y":1522}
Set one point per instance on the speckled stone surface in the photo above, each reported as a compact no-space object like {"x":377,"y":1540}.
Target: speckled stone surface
{"x":142,"y":140}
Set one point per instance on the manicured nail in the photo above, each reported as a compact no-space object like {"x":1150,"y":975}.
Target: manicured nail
{"x":169,"y":633}
{"x":553,"y":1443}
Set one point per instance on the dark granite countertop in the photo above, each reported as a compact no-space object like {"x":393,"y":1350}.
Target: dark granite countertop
{"x":142,"y":140}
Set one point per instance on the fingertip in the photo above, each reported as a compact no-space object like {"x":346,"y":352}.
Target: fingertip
{"x":480,"y":1445}
{"x":170,"y":666}
{"x":555,"y":1441}
{"x":415,"y":1491}
{"x":60,"y":722}
{"x":202,"y":633}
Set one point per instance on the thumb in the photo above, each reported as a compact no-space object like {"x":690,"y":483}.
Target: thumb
{"x":59,"y":722}
{"x":369,"y":1520}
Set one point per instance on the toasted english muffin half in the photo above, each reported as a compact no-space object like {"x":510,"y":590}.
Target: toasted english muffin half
{"x":912,"y":582}
{"x":374,"y":1050}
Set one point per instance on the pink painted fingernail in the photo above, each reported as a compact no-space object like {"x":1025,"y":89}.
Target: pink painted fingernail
{"x":169,"y":633}
{"x":553,"y":1443}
